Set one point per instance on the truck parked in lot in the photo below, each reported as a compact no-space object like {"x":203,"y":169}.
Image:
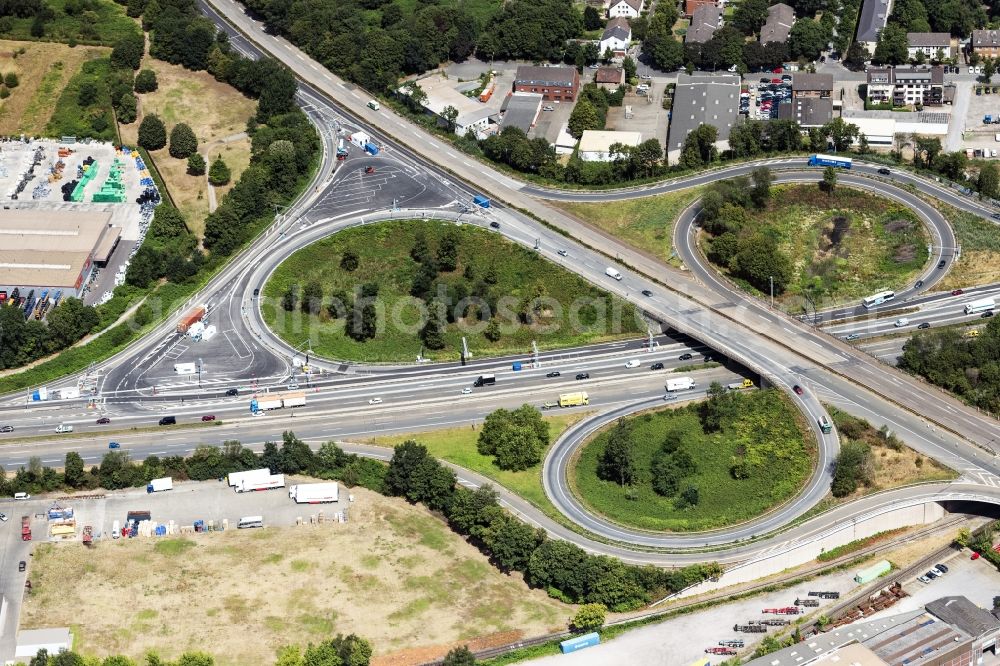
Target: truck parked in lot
{"x":268,"y":482}
{"x":680,"y":384}
{"x":235,"y":479}
{"x":314,"y":493}
{"x":25,"y":528}
{"x":158,"y":485}
{"x":574,"y":399}
{"x":190,"y":319}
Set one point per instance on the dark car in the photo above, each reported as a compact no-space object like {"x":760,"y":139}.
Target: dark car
{"x":256,"y":292}
{"x":208,"y":417}
{"x":941,"y":567}
{"x":942,"y":263}
{"x":931,"y":575}
{"x":114,"y":445}
{"x":656,"y":366}
{"x":495,"y":225}
{"x":104,"y":420}
{"x":919,"y":284}
{"x":7,"y":428}
{"x":583,"y":375}
{"x":884,"y":171}
{"x":957,"y":292}
{"x":554,"y":373}
{"x":22,"y":565}
{"x":797,"y":389}
{"x":987,"y":314}
{"x":685,"y":357}
{"x":647,"y":292}
{"x":168,"y":420}
{"x":233,"y":391}
{"x":995,"y":216}
{"x":924,"y":325}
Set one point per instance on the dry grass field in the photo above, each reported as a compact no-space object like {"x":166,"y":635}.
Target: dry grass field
{"x":395,"y":575}
{"x":215,"y":111}
{"x":43,"y":71}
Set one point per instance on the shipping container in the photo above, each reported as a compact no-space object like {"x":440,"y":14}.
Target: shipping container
{"x":580,"y":642}
{"x":190,"y":318}
{"x":872,"y":572}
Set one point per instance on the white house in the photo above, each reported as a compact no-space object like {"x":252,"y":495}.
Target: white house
{"x":595,"y":145}
{"x":625,"y":8}
{"x":616,"y":37}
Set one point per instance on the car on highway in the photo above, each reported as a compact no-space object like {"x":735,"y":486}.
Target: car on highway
{"x":554,"y":373}
{"x":995,"y":216}
{"x":924,"y":324}
{"x":901,"y":322}
{"x":884,"y":171}
{"x":986,"y":315}
{"x":919,"y":284}
{"x":256,"y":292}
{"x":7,"y":428}
{"x":293,"y":386}
{"x":63,"y":427}
{"x":797,"y":389}
{"x":562,"y":253}
{"x":22,"y":565}
{"x":168,"y":420}
{"x":104,"y":420}
{"x":647,"y":293}
{"x":633,"y":363}
{"x":494,"y":225}
{"x":114,"y":445}
{"x":208,"y":417}
{"x":22,"y":496}
{"x":583,"y":375}
{"x":656,"y":366}
{"x":233,"y":391}
{"x":375,"y":401}
{"x":3,"y":517}
{"x":466,"y":391}
{"x":369,"y":169}
{"x":685,"y":357}
{"x":852,"y":336}
{"x":941,"y":264}
{"x":957,"y":292}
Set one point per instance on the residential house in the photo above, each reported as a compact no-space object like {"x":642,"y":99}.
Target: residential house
{"x":873,"y":18}
{"x":555,"y":84}
{"x":931,"y":44}
{"x":904,"y":86}
{"x":986,"y":43}
{"x":609,"y":78}
{"x":691,"y":5}
{"x":705,"y":21}
{"x":616,"y":37}
{"x":780,"y":18}
{"x":595,"y":145}
{"x":625,"y":8}
{"x":712,"y":99}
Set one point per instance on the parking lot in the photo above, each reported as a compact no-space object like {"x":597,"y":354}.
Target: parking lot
{"x":978,"y":134}
{"x":976,"y":579}
{"x":761,"y":99}
{"x":648,"y":117}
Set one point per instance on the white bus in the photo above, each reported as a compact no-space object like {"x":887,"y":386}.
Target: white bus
{"x":878,"y":299}
{"x":982,"y":305}
{"x":250,"y":521}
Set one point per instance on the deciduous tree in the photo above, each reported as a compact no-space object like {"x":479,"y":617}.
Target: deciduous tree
{"x":152,"y":133}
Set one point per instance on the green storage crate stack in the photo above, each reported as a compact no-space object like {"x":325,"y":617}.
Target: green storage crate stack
{"x":88,"y":175}
{"x":113,"y":189}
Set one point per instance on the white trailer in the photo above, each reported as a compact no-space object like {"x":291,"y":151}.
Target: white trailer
{"x":237,"y":478}
{"x":185,"y":368}
{"x":680,"y":384}
{"x":294,"y":400}
{"x":269,"y":402}
{"x":360,"y":139}
{"x":314,"y":493}
{"x":261,"y":483}
{"x":159,"y":485}
{"x":982,"y":305}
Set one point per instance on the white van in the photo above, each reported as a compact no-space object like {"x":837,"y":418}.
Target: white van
{"x":64,"y":427}
{"x":22,"y":496}
{"x":373,"y":105}
{"x":901,"y":322}
{"x":634,"y":363}
{"x":611,"y":272}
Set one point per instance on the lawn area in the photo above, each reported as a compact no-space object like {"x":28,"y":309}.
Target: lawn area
{"x":762,"y":435}
{"x":843,"y":247}
{"x":43,"y":69}
{"x":395,"y":574}
{"x":646,"y":223}
{"x":980,"y":240}
{"x":505,"y":279}
{"x":458,"y":446}
{"x":215,"y":111}
{"x":102,"y":23}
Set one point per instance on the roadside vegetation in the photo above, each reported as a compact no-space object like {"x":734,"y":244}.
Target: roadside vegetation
{"x":697,"y":467}
{"x":94,"y":22}
{"x":646,"y":224}
{"x":393,"y":290}
{"x":817,"y":247}
{"x":980,"y":241}
{"x":873,"y":459}
{"x":967,"y":367}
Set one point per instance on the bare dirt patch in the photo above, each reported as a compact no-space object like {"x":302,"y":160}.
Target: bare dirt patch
{"x":395,"y":574}
{"x":42,"y":71}
{"x":218,"y":115}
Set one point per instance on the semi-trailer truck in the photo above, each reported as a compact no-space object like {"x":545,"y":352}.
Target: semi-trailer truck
{"x":266,"y":402}
{"x":831,"y":161}
{"x":237,"y":478}
{"x":293,"y":400}
{"x":190,"y":318}
{"x":261,"y":483}
{"x":159,"y":485}
{"x":982,"y":305}
{"x":574,"y":399}
{"x":25,"y":528}
{"x":485,"y":380}
{"x":680,"y":384}
{"x":314,"y":493}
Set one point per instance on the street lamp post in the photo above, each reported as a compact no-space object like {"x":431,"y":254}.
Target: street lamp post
{"x":772,"y":291}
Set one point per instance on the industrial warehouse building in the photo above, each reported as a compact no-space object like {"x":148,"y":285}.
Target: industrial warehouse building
{"x":42,"y":248}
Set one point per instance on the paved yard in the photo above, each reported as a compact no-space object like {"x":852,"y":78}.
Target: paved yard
{"x":649,"y":118}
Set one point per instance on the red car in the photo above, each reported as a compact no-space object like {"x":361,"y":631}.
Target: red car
{"x":208,"y":417}
{"x":369,"y":169}
{"x":777,"y":70}
{"x":776,"y":81}
{"x":957,"y":292}
{"x":975,"y":556}
{"x":797,"y":389}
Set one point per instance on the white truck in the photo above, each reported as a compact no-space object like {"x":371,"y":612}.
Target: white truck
{"x":680,"y":384}
{"x":612,"y":273}
{"x":236,"y":479}
{"x":159,"y":485}
{"x":293,"y":400}
{"x":314,"y":493}
{"x":261,"y":483}
{"x":266,"y":402}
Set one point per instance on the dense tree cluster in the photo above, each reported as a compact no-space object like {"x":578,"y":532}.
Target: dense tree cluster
{"x":169,"y":251}
{"x":852,"y":468}
{"x":516,"y":439}
{"x":27,"y":340}
{"x":968,"y":367}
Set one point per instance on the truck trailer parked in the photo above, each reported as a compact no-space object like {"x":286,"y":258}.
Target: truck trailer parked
{"x":236,"y":479}
{"x":680,"y":384}
{"x":268,"y":482}
{"x":158,"y":485}
{"x":314,"y":493}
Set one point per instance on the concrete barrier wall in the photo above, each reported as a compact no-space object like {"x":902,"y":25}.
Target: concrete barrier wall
{"x":793,"y":553}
